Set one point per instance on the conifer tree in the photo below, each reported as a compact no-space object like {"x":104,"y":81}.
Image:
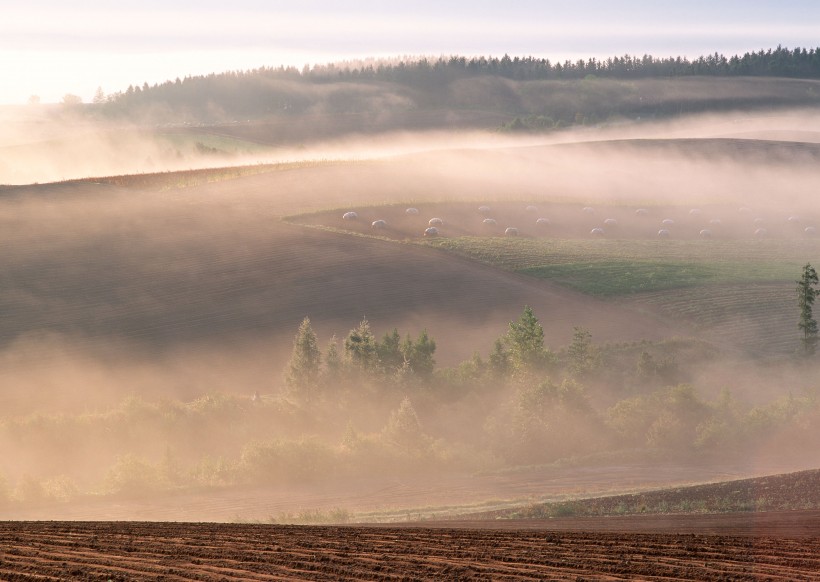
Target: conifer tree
{"x":806,"y":294}
{"x":360,"y":348}
{"x":419,"y":354}
{"x":583,"y":356}
{"x":333,"y":362}
{"x":303,"y":368}
{"x":389,"y":352}
{"x":525,"y":340}
{"x":499,"y":359}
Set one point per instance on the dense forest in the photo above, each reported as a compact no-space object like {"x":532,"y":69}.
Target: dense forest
{"x":560,"y":93}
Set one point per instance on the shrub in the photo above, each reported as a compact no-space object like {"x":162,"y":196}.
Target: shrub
{"x":404,"y":429}
{"x":61,"y":488}
{"x":131,"y":476}
{"x":288,"y":461}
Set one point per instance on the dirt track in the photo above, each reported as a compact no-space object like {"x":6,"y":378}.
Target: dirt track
{"x":154,"y":551}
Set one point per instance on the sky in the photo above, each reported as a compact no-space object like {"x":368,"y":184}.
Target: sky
{"x":49,"y":48}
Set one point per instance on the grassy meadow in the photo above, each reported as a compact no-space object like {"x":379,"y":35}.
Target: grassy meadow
{"x":615,"y":268}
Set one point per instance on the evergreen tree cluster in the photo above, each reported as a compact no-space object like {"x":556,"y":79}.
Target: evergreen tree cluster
{"x":289,"y":91}
{"x":780,"y":62}
{"x":364,"y":357}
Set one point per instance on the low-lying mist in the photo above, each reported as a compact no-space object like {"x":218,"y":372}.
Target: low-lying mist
{"x":378,"y":409}
{"x":146,"y":331}
{"x":39,"y":147}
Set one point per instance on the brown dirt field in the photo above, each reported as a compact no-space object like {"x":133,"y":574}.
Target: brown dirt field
{"x":178,"y":551}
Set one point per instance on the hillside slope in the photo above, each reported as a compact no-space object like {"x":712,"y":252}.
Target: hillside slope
{"x":213,"y":270}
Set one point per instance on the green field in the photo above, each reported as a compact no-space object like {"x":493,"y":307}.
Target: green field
{"x":739,"y":293}
{"x":615,"y":268}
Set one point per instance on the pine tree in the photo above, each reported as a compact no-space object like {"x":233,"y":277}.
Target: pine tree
{"x":419,"y":354}
{"x":583,"y":356}
{"x":333,"y":363}
{"x":389,"y":352}
{"x":99,"y":96}
{"x":360,"y":348}
{"x":806,"y":294}
{"x":303,"y":368}
{"x":404,"y":428}
{"x":525,"y":340}
{"x":499,"y":359}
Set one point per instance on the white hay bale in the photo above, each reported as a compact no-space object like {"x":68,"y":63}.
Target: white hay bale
{"x":667,"y":222}
{"x":642,"y":212}
{"x":589,"y":210}
{"x":663,"y":233}
{"x":412,"y":211}
{"x":597,"y":232}
{"x":758,"y":221}
{"x":435,"y":222}
{"x":744,"y":210}
{"x":716,"y":221}
{"x":611,"y":222}
{"x":543,"y":222}
{"x":793,"y":219}
{"x":378,"y":224}
{"x":350,"y":216}
{"x":489,"y":221}
{"x":705,"y":233}
{"x":532,"y":208}
{"x":761,"y":232}
{"x":484,"y":209}
{"x":810,"y":230}
{"x":696,"y":212}
{"x":511,"y":231}
{"x":431,"y":231}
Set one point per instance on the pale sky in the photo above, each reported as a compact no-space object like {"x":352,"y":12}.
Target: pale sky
{"x":52,"y":47}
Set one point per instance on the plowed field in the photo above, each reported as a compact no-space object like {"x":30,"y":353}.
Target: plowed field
{"x":155,"y":551}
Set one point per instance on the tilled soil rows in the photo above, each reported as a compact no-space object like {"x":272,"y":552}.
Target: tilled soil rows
{"x":169,"y":551}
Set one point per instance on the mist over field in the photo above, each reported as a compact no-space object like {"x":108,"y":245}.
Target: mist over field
{"x":155,"y":274}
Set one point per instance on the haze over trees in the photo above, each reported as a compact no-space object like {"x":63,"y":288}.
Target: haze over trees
{"x":303,"y":368}
{"x":552,"y":92}
{"x":384,"y":409}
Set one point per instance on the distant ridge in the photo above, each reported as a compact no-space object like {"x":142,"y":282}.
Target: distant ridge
{"x":403,"y":94}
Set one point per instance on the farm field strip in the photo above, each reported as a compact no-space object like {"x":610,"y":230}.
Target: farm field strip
{"x":745,"y":498}
{"x":519,"y":253}
{"x":761,"y":317}
{"x":737,"y":290}
{"x":179,"y":551}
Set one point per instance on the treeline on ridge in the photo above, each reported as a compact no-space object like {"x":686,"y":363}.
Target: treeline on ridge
{"x":427,"y":84}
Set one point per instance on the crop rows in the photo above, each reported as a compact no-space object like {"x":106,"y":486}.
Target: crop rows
{"x":522,"y":253}
{"x":740,"y":293}
{"x":173,"y":551}
{"x":758,"y":317}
